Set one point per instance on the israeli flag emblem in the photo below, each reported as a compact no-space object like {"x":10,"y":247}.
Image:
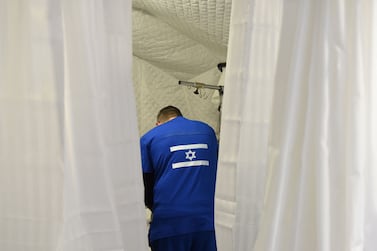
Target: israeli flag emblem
{"x":190,"y":155}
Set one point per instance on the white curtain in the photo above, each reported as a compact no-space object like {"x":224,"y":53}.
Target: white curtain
{"x":254,"y":33}
{"x":298,"y":146}
{"x":70,"y":172}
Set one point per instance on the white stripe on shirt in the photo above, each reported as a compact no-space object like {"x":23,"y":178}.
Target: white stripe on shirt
{"x":190,"y":163}
{"x":187,"y":147}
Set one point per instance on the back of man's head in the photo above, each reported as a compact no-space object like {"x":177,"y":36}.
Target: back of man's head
{"x":168,"y":113}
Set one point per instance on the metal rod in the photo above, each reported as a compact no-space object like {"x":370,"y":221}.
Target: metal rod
{"x":198,"y":85}
{"x":201,"y":85}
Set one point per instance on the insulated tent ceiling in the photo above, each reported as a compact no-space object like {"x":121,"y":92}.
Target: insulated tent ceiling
{"x":178,"y":40}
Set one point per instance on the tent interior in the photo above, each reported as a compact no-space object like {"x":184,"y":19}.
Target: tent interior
{"x":179,"y":41}
{"x":82,"y":80}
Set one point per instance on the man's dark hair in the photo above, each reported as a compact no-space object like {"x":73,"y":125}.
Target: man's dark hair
{"x":168,"y":112}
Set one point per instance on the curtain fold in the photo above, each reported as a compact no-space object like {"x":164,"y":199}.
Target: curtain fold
{"x":303,"y":180}
{"x":70,"y":171}
{"x":31,"y":170}
{"x":319,"y":135}
{"x":106,"y":211}
{"x":249,"y":82}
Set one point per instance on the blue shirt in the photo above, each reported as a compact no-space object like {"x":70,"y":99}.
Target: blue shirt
{"x":182,"y":154}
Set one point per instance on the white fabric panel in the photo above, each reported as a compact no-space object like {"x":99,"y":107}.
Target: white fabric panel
{"x":322,"y":142}
{"x":206,"y":22}
{"x":70,"y":168}
{"x":167,"y":48}
{"x":104,"y":208}
{"x":319,"y":145}
{"x":254,"y":33}
{"x":31,"y":170}
{"x":155,"y":89}
{"x":178,"y":40}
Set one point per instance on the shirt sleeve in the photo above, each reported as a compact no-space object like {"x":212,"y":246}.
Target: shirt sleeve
{"x":146,"y":162}
{"x":148,"y":179}
{"x":148,"y":174}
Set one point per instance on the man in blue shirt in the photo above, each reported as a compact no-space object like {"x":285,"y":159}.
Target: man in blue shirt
{"x":179,"y":161}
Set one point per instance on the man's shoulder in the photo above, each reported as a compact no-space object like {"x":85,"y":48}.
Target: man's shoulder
{"x":202,"y":124}
{"x":149,"y":133}
{"x":154,"y":132}
{"x":176,"y":126}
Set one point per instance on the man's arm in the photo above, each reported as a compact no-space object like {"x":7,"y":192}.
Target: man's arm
{"x":148,"y":179}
